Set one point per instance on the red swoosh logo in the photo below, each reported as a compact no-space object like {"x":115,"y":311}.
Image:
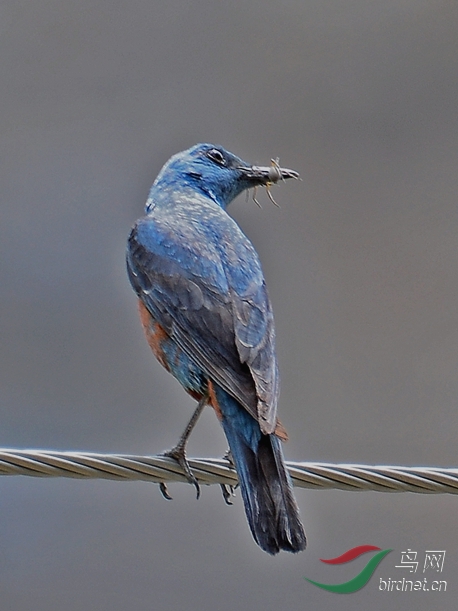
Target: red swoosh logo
{"x":351,"y":554}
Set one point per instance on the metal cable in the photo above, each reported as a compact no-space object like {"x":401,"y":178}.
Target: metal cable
{"x":43,"y":463}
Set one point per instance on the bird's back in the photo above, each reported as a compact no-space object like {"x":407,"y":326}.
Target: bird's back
{"x":201,"y":279}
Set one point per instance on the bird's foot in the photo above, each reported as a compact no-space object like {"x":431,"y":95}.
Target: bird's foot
{"x":228,"y":493}
{"x":227,"y":489}
{"x":179,"y":454}
{"x":228,"y":457}
{"x":165,"y":491}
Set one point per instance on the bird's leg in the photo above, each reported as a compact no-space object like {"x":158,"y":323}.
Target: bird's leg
{"x":228,"y":489}
{"x":178,"y":453}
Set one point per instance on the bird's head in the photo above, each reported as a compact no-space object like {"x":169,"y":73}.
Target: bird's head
{"x":218,"y":173}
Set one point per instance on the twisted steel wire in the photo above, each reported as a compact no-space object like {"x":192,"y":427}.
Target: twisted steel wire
{"x":83,"y":465}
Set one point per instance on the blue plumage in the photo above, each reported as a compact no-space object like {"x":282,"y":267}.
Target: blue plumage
{"x":209,"y":321}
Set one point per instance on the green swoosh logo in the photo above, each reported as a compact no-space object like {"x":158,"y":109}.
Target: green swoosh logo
{"x":357,"y":582}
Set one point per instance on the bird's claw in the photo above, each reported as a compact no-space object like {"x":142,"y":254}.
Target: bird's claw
{"x":165,"y":491}
{"x":228,"y":457}
{"x":178,"y":453}
{"x":228,"y":489}
{"x":228,"y":493}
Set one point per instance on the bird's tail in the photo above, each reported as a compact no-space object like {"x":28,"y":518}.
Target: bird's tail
{"x":265,"y":484}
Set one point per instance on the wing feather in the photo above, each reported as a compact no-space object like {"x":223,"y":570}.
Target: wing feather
{"x":228,"y":331}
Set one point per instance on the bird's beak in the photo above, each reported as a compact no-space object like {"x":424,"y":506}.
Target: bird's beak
{"x":266,"y":175}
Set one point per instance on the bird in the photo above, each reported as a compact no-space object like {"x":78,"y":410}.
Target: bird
{"x":208,"y":319}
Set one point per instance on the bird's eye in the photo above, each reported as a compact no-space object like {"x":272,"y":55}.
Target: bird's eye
{"x":216,"y":156}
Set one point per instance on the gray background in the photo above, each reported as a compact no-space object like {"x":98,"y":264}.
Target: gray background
{"x":361,"y":262}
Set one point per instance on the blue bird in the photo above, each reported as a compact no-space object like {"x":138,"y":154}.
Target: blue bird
{"x":207,"y":316}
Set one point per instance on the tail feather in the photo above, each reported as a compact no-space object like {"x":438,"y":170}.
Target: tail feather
{"x":266,"y":488}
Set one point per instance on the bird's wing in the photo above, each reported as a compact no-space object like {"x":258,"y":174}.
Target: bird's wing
{"x":196,"y":298}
